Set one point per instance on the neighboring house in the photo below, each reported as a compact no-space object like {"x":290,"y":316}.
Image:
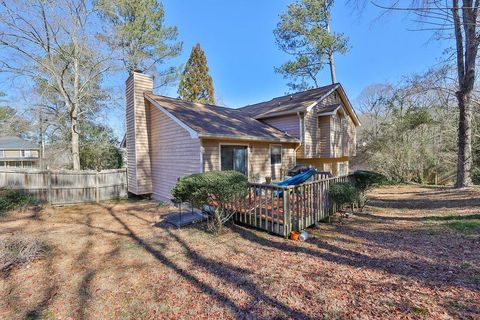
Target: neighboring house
{"x":169,"y":138}
{"x":18,"y":153}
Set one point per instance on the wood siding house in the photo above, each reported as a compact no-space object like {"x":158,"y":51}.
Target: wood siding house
{"x":170,"y":138}
{"x":16,"y":152}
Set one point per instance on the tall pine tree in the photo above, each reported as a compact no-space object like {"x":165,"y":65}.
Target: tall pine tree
{"x":196,"y":84}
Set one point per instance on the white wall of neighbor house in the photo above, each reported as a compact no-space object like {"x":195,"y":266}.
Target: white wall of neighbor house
{"x":27,"y":158}
{"x":174,"y":154}
{"x":18,"y":164}
{"x":28,"y":153}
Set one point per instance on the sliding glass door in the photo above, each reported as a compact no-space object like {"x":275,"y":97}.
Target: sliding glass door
{"x":234,"y":158}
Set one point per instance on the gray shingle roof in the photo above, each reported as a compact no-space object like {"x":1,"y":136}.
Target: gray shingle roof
{"x":296,"y":102}
{"x":329,"y":108}
{"x":215,"y":121}
{"x":16,"y":143}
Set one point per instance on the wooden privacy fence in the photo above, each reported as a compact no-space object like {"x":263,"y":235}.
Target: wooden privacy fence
{"x":281,"y":210}
{"x":67,"y":187}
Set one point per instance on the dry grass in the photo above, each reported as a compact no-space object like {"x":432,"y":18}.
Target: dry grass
{"x":400,"y":259}
{"x":18,"y":251}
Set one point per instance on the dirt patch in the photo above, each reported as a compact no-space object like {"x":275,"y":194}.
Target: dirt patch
{"x":399,"y":259}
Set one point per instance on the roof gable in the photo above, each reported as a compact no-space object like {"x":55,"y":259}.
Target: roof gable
{"x":301,"y":102}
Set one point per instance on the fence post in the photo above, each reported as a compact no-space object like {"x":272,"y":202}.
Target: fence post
{"x":97,"y":190}
{"x":49,"y":187}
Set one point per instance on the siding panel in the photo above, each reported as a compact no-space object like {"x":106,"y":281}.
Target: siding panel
{"x":174,"y":154}
{"x":259,"y":165}
{"x":138,"y":127}
{"x":289,"y":124}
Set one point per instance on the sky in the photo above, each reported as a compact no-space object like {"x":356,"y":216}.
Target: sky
{"x":240,"y":46}
{"x":237,"y":37}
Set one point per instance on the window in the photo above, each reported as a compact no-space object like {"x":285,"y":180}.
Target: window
{"x":2,"y":164}
{"x":27,"y":164}
{"x":26,"y":153}
{"x":275,"y":154}
{"x":234,"y":158}
{"x":2,"y":154}
{"x":342,"y":169}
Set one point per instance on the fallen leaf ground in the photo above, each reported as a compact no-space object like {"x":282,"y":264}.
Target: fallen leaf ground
{"x":414,"y":254}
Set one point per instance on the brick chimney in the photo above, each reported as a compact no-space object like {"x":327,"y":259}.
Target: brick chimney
{"x":138,"y":132}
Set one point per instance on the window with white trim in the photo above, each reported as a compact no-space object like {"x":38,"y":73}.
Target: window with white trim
{"x":276,"y":154}
{"x":26,"y":153}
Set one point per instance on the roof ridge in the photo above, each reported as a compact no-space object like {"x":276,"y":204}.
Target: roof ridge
{"x":186,"y":101}
{"x":292,"y":94}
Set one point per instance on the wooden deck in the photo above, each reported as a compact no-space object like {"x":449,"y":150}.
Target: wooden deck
{"x":280,"y":210}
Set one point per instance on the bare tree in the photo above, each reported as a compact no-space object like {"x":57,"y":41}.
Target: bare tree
{"x":455,"y":20}
{"x":52,"y":44}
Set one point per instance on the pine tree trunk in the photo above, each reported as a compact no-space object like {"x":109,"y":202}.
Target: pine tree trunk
{"x":464,"y":163}
{"x":331,"y":60}
{"x":332,"y":68}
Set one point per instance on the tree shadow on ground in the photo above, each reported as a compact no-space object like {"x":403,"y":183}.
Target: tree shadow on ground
{"x":422,"y":204}
{"x":438,"y":274}
{"x":451,"y":217}
{"x":17,"y":303}
{"x":230,"y":274}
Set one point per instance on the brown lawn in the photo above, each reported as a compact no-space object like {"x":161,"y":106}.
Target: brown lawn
{"x":404,"y":258}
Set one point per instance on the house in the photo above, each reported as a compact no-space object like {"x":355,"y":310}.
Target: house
{"x":16,"y":152}
{"x":169,"y":138}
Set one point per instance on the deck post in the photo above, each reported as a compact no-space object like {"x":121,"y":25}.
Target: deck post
{"x":286,"y":214}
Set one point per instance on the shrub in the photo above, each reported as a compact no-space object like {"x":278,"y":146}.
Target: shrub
{"x":214,"y":188}
{"x":476,"y":176}
{"x":19,"y":250}
{"x":11,"y":199}
{"x":364,"y":181}
{"x":343,"y":193}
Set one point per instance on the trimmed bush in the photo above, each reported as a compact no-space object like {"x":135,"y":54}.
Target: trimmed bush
{"x":343,"y":193}
{"x":364,"y":181}
{"x":476,"y":176}
{"x":213,"y":188}
{"x":13,"y":199}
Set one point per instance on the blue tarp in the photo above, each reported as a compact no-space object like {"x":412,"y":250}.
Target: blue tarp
{"x":295,"y":180}
{"x":298,"y":179}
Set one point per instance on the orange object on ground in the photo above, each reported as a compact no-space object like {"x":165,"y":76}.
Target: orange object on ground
{"x":294,"y":235}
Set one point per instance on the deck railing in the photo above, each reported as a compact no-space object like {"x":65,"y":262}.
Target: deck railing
{"x":281,"y":210}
